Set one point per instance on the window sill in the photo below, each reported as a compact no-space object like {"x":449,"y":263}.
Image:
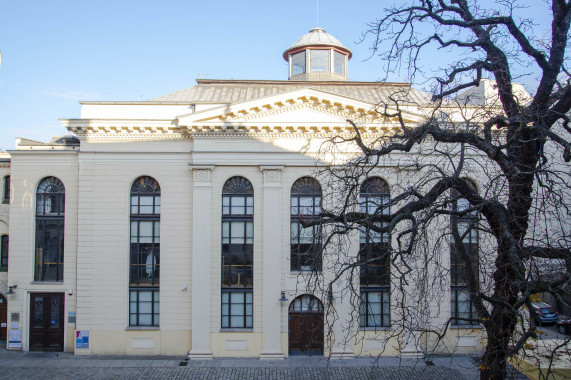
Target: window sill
{"x":46,"y":282}
{"x":142,"y":328}
{"x":237,"y":329}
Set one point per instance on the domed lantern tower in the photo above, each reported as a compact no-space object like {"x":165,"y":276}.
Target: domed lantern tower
{"x":317,"y":56}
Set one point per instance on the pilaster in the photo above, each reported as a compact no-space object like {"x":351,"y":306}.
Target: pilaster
{"x":272,"y":276}
{"x":201,"y":245}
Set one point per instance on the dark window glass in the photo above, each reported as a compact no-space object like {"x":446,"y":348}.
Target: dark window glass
{"x":50,"y":207}
{"x":237,"y":253}
{"x":145,"y":251}
{"x":6,"y":194}
{"x":4,"y":252}
{"x":305,"y":241}
{"x":298,"y":63}
{"x":237,"y":309}
{"x":374,"y":256}
{"x":464,"y":224}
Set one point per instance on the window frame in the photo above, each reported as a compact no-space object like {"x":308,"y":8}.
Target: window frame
{"x":137,"y":314}
{"x":470,"y":245}
{"x":4,"y":252}
{"x":374,"y":194}
{"x":6,"y":190}
{"x":143,"y":190}
{"x":237,"y":208}
{"x":49,"y":212}
{"x":309,"y":253}
{"x":248,"y":312}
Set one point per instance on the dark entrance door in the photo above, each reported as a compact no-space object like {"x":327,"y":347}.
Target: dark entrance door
{"x":306,"y":326}
{"x":3,"y":317}
{"x":46,"y":321}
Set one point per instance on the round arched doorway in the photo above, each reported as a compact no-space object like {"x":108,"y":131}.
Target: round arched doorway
{"x":305,"y":326}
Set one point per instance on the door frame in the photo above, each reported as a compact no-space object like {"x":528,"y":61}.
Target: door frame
{"x":317,"y":311}
{"x":27,"y":324}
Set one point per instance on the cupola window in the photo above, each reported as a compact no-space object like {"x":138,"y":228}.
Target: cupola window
{"x":319,"y":60}
{"x":339,"y":63}
{"x":298,"y":63}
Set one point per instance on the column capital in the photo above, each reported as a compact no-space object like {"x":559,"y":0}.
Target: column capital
{"x":202,"y":174}
{"x":272,"y":174}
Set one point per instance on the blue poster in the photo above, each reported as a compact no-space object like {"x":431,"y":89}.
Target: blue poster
{"x":82,"y":339}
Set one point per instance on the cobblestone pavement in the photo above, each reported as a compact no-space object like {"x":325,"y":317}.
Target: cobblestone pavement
{"x":357,"y":373}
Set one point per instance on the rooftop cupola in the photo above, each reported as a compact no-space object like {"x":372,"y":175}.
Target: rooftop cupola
{"x":317,"y":56}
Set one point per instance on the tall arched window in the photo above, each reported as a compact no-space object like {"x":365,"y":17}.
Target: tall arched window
{"x":305,"y":242}
{"x":374,"y":256}
{"x":463,"y":240}
{"x":237,"y":253}
{"x":50,"y":207}
{"x":145,"y":252}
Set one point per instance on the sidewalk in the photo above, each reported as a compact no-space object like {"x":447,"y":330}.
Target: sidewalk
{"x":40,"y":365}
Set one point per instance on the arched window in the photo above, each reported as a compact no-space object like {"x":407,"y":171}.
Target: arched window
{"x":50,"y":207}
{"x":463,"y":241}
{"x":145,"y":252}
{"x":374,"y":256}
{"x":6,"y":192}
{"x":305,"y":242}
{"x":237,"y":253}
{"x":306,"y":303}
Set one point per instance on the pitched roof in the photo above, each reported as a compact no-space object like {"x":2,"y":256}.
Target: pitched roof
{"x":234,"y":91}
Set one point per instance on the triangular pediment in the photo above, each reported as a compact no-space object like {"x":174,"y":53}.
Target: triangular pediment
{"x":306,"y":107}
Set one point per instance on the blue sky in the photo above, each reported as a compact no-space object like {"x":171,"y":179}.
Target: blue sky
{"x":56,"y":53}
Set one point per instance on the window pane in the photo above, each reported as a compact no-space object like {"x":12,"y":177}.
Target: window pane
{"x":339,"y":60}
{"x":145,"y":319}
{"x":319,"y":60}
{"x":298,"y":63}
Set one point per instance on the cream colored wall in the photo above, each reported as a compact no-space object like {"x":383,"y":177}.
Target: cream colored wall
{"x":28,"y":169}
{"x":103,"y":265}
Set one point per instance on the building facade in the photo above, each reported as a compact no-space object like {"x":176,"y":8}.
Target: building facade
{"x":174,"y":226}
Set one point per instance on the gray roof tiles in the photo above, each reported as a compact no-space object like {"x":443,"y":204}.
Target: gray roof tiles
{"x":236,"y":91}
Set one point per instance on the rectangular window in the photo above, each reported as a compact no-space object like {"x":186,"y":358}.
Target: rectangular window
{"x":145,"y":252}
{"x":305,"y":247}
{"x":237,"y":253}
{"x":298,"y":63}
{"x":463,"y":310}
{"x":49,"y":249}
{"x":374,"y":278}
{"x":237,"y":309}
{"x":3,"y":253}
{"x":6,"y":193}
{"x":320,"y":60}
{"x":143,"y":307}
{"x":339,"y":63}
{"x":375,"y":310}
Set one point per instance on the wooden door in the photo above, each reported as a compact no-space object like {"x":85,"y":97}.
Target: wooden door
{"x":3,"y":317}
{"x":46,"y":321}
{"x":306,"y":326}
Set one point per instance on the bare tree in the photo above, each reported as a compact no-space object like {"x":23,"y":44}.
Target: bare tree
{"x":495,"y":168}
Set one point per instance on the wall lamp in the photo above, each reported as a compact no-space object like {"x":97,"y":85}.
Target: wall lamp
{"x":283,"y":298}
{"x":11,"y":289}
